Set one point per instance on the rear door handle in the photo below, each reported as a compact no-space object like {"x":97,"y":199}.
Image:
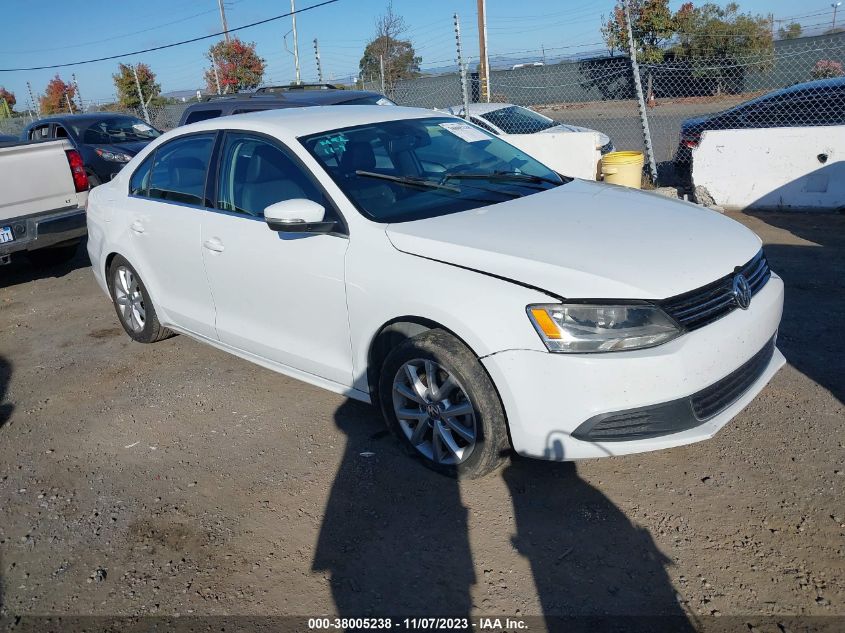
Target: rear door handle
{"x":137,"y":227}
{"x":214,"y":245}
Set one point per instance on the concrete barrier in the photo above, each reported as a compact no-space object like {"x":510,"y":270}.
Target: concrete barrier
{"x":797,"y":168}
{"x":569,"y":153}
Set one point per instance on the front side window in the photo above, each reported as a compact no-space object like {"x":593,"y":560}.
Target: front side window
{"x":396,"y":171}
{"x":255,"y":173}
{"x":179,"y":169}
{"x":114,"y":131}
{"x":139,"y":184}
{"x":517,"y":120}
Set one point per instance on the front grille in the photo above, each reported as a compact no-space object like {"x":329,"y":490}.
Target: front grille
{"x":701,"y":307}
{"x":677,"y":415}
{"x":711,"y":401}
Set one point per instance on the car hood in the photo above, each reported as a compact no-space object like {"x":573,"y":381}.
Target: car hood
{"x":587,"y":240}
{"x":695,"y":122}
{"x":604,"y":139}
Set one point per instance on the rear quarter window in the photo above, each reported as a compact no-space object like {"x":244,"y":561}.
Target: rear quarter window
{"x":202,"y":115}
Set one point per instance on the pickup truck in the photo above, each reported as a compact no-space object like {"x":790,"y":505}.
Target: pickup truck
{"x":43,"y":195}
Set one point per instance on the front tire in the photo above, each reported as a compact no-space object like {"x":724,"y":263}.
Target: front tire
{"x":135,"y":309}
{"x":438,"y":399}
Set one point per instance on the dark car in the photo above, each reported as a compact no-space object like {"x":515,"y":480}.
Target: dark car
{"x":106,"y":140}
{"x":274,"y":97}
{"x":813,"y":103}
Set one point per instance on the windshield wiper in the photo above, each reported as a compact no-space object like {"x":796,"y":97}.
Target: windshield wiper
{"x":498,"y":175}
{"x":409,"y":181}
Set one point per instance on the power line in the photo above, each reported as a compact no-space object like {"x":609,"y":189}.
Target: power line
{"x":164,"y":46}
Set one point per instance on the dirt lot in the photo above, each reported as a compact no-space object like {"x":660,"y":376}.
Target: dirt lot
{"x":175,"y":479}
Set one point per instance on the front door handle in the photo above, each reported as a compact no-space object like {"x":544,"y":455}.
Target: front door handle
{"x":214,"y":245}
{"x":137,"y":227}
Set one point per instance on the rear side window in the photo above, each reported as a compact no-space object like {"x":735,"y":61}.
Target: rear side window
{"x":179,"y":169}
{"x":140,"y":181}
{"x":202,"y":115}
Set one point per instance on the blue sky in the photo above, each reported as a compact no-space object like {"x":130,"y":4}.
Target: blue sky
{"x":66,"y":31}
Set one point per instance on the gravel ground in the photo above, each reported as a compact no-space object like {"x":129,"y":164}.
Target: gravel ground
{"x":176,"y":479}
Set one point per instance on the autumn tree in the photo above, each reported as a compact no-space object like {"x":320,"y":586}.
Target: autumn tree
{"x":127,"y":89}
{"x":58,"y":97}
{"x":238,"y":66}
{"x":652,"y":24}
{"x":398,"y":55}
{"x":9,"y":97}
{"x":790,"y":32}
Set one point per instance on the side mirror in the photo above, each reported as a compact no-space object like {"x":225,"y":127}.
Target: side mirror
{"x":297,"y":216}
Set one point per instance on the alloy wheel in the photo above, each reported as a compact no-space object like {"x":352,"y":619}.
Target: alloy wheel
{"x":129,"y":299}
{"x":434,"y":412}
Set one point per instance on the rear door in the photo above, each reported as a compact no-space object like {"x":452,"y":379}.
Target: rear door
{"x":164,"y":222}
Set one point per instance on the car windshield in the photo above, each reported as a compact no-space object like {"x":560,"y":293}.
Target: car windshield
{"x":114,"y":131}
{"x":398,"y":171}
{"x":518,"y":120}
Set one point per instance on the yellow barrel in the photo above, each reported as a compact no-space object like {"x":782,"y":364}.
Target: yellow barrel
{"x":623,"y":168}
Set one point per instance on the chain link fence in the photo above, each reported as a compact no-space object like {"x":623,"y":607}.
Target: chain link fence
{"x":600,"y":94}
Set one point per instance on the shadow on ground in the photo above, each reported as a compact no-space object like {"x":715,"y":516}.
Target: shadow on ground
{"x":21,"y":270}
{"x":810,"y":334}
{"x":394,"y":539}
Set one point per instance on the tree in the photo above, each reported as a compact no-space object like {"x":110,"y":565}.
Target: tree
{"x":238,"y":66}
{"x":398,"y":56}
{"x":58,"y":97}
{"x":722,"y":43}
{"x":790,"y":31}
{"x":9,"y":97}
{"x":652,"y":25}
{"x":127,"y":89}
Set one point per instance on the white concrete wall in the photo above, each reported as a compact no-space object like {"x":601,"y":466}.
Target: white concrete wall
{"x":773,"y":168}
{"x":568,"y":153}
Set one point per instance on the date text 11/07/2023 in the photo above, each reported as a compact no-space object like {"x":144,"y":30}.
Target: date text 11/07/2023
{"x":491,"y":624}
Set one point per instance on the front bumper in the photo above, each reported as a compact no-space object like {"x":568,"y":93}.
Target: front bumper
{"x":47,"y":229}
{"x":549,"y":397}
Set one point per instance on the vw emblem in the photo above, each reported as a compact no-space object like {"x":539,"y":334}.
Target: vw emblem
{"x":741,"y":292}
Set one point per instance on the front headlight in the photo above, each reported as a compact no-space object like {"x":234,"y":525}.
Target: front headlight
{"x":585,"y":328}
{"x":114,"y":157}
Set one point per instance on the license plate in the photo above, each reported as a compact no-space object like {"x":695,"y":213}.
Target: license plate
{"x":6,"y":234}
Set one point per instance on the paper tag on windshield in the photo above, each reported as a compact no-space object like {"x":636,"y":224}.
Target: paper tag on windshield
{"x":141,"y":127}
{"x":465,"y":131}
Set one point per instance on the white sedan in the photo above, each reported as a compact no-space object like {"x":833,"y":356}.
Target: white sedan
{"x":504,"y":119}
{"x":411,"y":260}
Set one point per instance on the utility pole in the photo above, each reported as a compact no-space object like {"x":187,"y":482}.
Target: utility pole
{"x":216,"y":76}
{"x":223,"y":19}
{"x":835,"y":6}
{"x":461,"y":67}
{"x":319,"y":67}
{"x":484,"y":70}
{"x":295,"y":42}
{"x":33,"y":101}
{"x":141,"y":95}
{"x":69,"y":106}
{"x":638,"y":84}
{"x":381,"y":71}
{"x":543,"y":50}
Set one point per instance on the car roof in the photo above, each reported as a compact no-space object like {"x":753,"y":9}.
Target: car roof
{"x":288,"y":97}
{"x":297,"y":122}
{"x":830,"y":83}
{"x":84,"y":117}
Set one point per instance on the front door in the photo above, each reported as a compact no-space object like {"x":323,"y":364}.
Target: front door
{"x":278,"y":296}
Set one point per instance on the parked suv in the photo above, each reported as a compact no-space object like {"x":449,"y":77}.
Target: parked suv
{"x":813,"y":103}
{"x":105,"y":140}
{"x":276,"y":97}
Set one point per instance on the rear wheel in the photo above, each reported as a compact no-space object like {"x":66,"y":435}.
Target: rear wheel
{"x":133,"y":305}
{"x":440,"y":402}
